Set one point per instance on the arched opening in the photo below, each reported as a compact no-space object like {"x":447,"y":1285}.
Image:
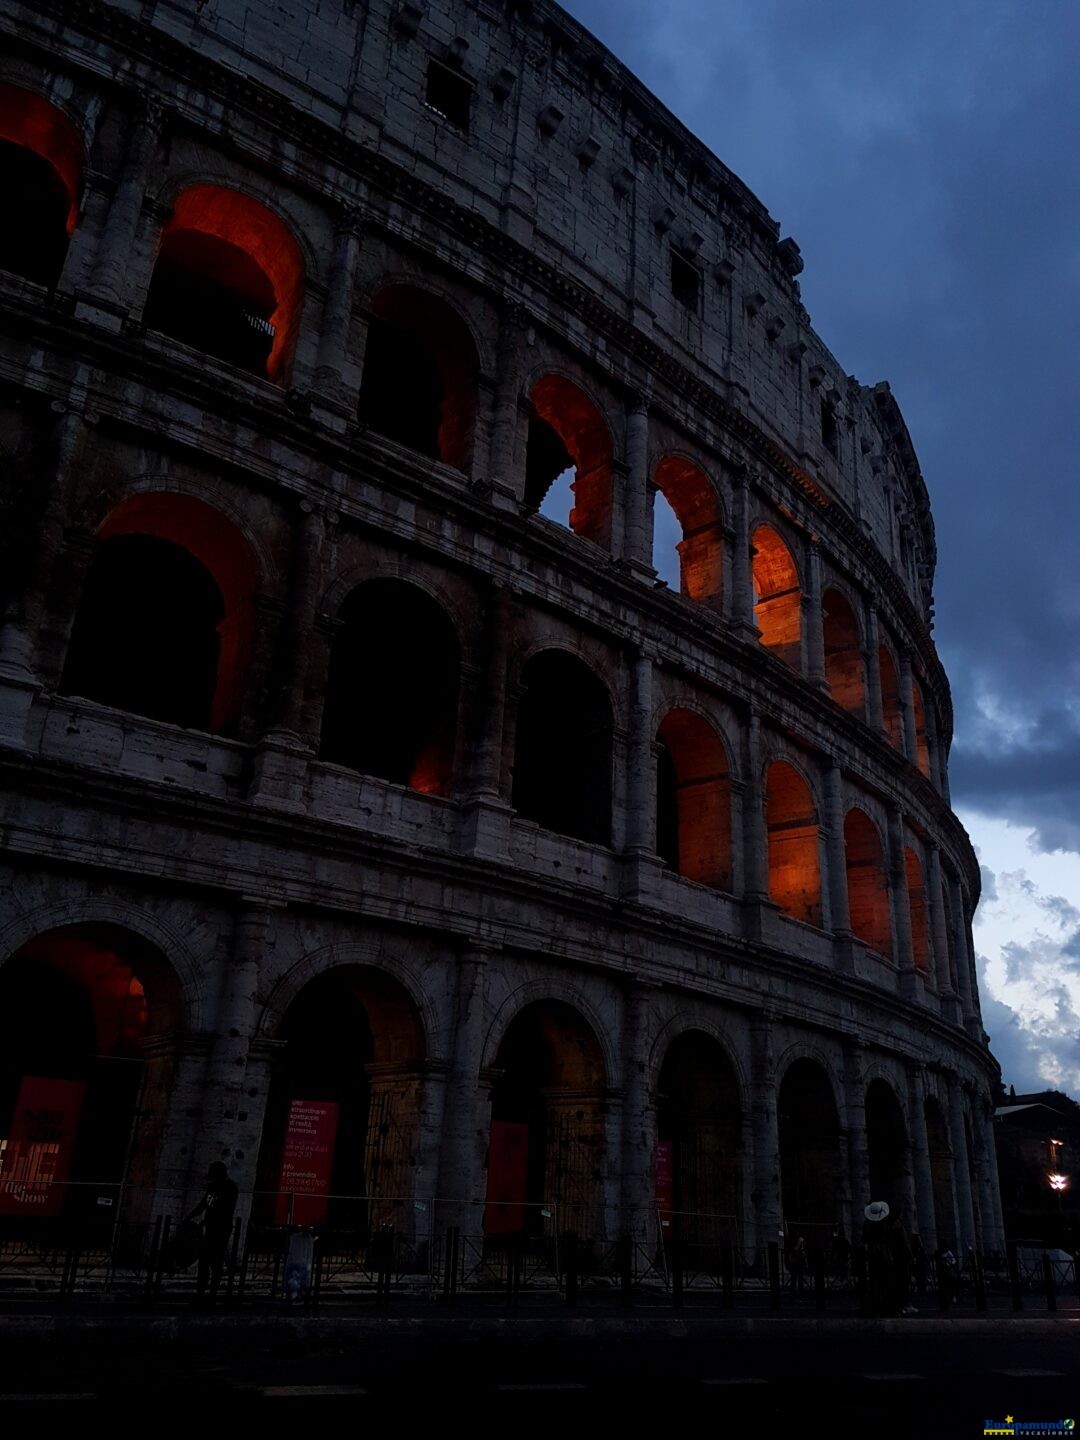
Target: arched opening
{"x":228,"y":280}
{"x":867,"y":883}
{"x":693,"y":800}
{"x":693,"y":499}
{"x":891,"y":717}
{"x":568,"y":433}
{"x":812,"y":1175}
{"x":84,"y":1076}
{"x":563,"y":750}
{"x":941,"y":1176}
{"x":698,"y":1160}
{"x":667,"y":534}
{"x":920,"y":925}
{"x":341,"y":1130}
{"x":922,"y":742}
{"x":793,"y":838}
{"x":392,"y":689}
{"x":843,"y":652}
{"x":163,"y":626}
{"x":777,"y":597}
{"x":420,"y":375}
{"x":886,"y":1146}
{"x":41,"y":164}
{"x":547,"y":1126}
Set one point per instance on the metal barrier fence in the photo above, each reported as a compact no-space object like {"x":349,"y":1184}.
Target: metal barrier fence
{"x":283,"y":1248}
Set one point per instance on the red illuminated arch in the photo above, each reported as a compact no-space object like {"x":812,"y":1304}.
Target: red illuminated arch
{"x":867,"y":882}
{"x":920,"y":923}
{"x":891,"y":716}
{"x":565,"y":417}
{"x":219,"y":236}
{"x":693,"y":809}
{"x":697,"y":509}
{"x":41,"y":166}
{"x":843,"y":652}
{"x":777,"y":597}
{"x":793,"y":838}
{"x":922,"y":742}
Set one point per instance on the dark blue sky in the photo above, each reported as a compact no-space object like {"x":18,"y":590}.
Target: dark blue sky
{"x":925,"y":158}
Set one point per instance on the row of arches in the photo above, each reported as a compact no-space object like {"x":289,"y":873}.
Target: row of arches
{"x":228,"y":279}
{"x":90,"y":1014}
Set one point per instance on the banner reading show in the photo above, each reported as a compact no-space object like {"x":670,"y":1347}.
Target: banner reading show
{"x":307,"y":1162}
{"x":36,"y":1158}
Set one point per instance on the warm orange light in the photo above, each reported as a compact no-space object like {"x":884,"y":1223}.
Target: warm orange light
{"x":1059,"y":1183}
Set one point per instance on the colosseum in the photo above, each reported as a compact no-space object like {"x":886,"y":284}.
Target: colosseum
{"x":377,"y":818}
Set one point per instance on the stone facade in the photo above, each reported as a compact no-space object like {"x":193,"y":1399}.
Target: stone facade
{"x":744,"y":929}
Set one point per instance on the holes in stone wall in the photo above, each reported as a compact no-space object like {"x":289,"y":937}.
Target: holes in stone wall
{"x":449,"y":94}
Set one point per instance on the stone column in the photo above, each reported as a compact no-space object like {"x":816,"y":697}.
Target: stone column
{"x":336,"y":379}
{"x":947,"y":996}
{"x":961,"y":1172}
{"x":963,"y":974}
{"x":108,"y":293}
{"x":742,"y":584}
{"x":966,"y":957}
{"x":188,"y":1057}
{"x":920,"y":1159}
{"x":281,"y":756}
{"x":464,"y":1138}
{"x":509,"y":418}
{"x":858,"y":1154}
{"x":25,"y":617}
{"x":637,"y":534}
{"x":985,"y":1172}
{"x":872,"y":659}
{"x":901,"y":905}
{"x":754,"y":837}
{"x":813,"y":622}
{"x":485,"y":809}
{"x":765,"y":1219}
{"x":836,"y":860}
{"x":642,"y":866}
{"x":638,"y":1122}
{"x":907,"y":710}
{"x":930,"y":721}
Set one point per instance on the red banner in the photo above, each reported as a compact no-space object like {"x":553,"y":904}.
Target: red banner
{"x":664,"y":1179}
{"x":508,"y":1168}
{"x":307,"y":1162}
{"x":36,"y":1158}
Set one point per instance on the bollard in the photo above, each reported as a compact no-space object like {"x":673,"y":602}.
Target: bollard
{"x":819,"y":1281}
{"x":570,"y":1264}
{"x":624,"y":1259}
{"x":727,"y":1278}
{"x":1014,"y":1276}
{"x":774,"y":1274}
{"x":1048,"y":1281}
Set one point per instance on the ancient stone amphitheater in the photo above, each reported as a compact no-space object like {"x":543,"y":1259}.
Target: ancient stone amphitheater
{"x":377,"y":817}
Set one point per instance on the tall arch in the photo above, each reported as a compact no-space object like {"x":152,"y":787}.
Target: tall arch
{"x":891,"y":714}
{"x":843,"y":652}
{"x":794,"y":843}
{"x":351,"y":1072}
{"x":420,"y":375}
{"x":920,"y":920}
{"x":699,"y":1126}
{"x":886,"y":1145}
{"x":547,"y":1151}
{"x":164,"y":623}
{"x":867,"y":882}
{"x":228,"y":280}
{"x":41,"y":168}
{"x":812,"y":1172}
{"x":941,"y":1175}
{"x":777,"y":597}
{"x":922,"y":741}
{"x":392,"y":690}
{"x":693,"y":498}
{"x":693,"y":800}
{"x":567,"y":432}
{"x":563,"y":749}
{"x":85,"y":1014}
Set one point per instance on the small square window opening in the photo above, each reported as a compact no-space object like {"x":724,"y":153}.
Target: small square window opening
{"x":449,"y":95}
{"x":685,"y":282}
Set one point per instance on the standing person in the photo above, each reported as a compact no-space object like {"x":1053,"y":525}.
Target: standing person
{"x":217,"y":1206}
{"x":796,"y":1264}
{"x":880,"y":1290}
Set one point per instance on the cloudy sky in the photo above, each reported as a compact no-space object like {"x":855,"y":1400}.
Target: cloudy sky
{"x":926,"y":157}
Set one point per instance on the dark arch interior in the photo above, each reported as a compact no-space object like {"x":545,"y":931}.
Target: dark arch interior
{"x":699,"y":1118}
{"x":811,"y":1162}
{"x":146,"y":636}
{"x":693,"y":800}
{"x":546,"y":458}
{"x":886,"y":1144}
{"x":547,"y":1111}
{"x":212,"y":295}
{"x":34,"y":237}
{"x":391,"y":699}
{"x":867,"y":882}
{"x":937,"y":1137}
{"x":563,"y":754}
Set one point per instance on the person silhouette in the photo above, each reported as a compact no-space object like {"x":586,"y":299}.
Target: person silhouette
{"x":217,"y":1207}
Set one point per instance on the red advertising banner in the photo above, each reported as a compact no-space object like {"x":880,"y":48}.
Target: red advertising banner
{"x":508,"y":1166}
{"x":36,"y":1156}
{"x":307,"y":1161}
{"x":664,"y":1179}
